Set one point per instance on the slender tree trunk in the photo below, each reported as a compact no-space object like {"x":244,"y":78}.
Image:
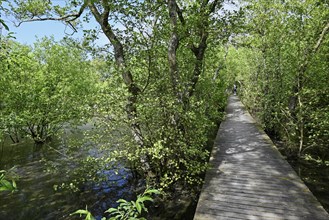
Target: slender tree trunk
{"x":206,"y":10}
{"x":133,"y":89}
{"x":198,"y":63}
{"x":220,"y":67}
{"x":296,"y":99}
{"x":172,"y":49}
{"x":199,"y":51}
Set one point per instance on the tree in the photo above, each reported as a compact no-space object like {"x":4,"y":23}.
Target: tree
{"x":159,"y":54}
{"x":45,"y":87}
{"x":289,"y":39}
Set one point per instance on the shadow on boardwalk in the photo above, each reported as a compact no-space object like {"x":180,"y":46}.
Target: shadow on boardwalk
{"x":249,"y":179}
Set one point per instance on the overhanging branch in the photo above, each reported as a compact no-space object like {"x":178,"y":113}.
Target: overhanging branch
{"x":66,"y":18}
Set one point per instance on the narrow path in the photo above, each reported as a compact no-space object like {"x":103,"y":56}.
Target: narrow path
{"x":249,"y":179}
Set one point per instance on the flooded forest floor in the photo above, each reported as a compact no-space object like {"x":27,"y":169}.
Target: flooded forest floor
{"x":313,"y":173}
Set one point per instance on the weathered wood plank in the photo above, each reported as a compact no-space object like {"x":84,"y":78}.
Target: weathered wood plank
{"x":249,"y":179}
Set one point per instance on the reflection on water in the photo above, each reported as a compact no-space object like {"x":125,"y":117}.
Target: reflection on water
{"x":36,"y":197}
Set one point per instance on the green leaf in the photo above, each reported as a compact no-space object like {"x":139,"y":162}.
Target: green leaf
{"x":81,"y":212}
{"x":111,"y":210}
{"x":6,"y":185}
{"x":145,"y":198}
{"x":2,"y":188}
{"x":139,"y":207}
{"x":14,"y":184}
{"x":84,"y":212}
{"x":121,"y":201}
{"x":150,"y":191}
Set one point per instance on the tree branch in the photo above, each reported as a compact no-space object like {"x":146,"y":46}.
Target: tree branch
{"x":180,"y":14}
{"x":320,"y":40}
{"x":304,"y":65}
{"x":67,"y":18}
{"x":212,"y":7}
{"x":105,"y":13}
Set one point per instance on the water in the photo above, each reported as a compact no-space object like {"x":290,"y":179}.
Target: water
{"x":40,"y":169}
{"x":316,"y":177}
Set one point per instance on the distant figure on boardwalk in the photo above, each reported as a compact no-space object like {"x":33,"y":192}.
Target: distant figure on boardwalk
{"x":234,"y":89}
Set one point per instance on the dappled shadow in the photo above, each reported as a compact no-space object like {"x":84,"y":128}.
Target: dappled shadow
{"x":248,"y":178}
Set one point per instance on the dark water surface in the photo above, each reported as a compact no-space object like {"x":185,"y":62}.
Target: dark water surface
{"x":316,"y":177}
{"x":41,"y":169}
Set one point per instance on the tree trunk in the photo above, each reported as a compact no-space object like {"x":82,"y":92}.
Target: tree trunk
{"x":206,"y":10}
{"x":296,"y":99}
{"x":133,"y":89}
{"x":199,"y":51}
{"x":172,"y":49}
{"x":198,"y":63}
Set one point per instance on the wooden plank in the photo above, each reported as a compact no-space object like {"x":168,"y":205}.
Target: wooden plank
{"x":249,"y":179}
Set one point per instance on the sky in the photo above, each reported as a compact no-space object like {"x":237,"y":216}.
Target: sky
{"x":29,"y":32}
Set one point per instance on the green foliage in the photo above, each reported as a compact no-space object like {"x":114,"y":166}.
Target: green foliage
{"x":154,"y":119}
{"x":174,"y":133}
{"x":82,"y":212}
{"x":126,"y":210}
{"x":151,"y":117}
{"x":283,"y":83}
{"x":176,"y":154}
{"x":132,"y":210}
{"x":6,"y":185}
{"x":46,"y":86}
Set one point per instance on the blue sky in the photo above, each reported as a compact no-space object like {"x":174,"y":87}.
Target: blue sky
{"x":27,"y":33}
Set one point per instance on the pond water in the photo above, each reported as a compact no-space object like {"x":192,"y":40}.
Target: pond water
{"x":41,"y":169}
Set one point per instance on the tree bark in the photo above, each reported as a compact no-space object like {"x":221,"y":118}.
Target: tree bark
{"x":198,"y":63}
{"x":133,"y":89}
{"x":199,"y":50}
{"x":172,"y":48}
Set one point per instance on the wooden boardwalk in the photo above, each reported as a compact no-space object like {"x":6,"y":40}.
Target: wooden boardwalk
{"x":249,"y":179}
